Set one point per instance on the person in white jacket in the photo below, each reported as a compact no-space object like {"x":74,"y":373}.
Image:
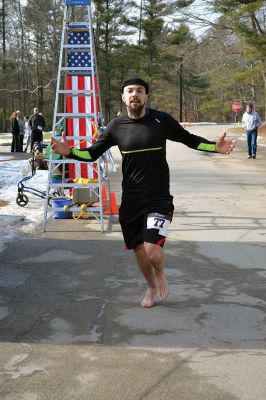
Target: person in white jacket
{"x":251,"y":122}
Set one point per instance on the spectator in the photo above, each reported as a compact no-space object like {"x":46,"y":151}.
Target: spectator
{"x":21,"y":130}
{"x":36,"y":123}
{"x":27,"y":132}
{"x":251,"y":122}
{"x":15,"y":133}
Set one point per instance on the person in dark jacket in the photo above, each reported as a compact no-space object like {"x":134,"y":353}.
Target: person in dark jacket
{"x":36,"y":123}
{"x":21,"y":131}
{"x":15,"y":129}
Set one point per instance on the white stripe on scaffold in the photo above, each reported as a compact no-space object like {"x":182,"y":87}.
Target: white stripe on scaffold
{"x":88,"y":101}
{"x":75,"y":107}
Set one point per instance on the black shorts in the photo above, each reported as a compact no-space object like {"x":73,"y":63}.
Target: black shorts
{"x":140,"y":224}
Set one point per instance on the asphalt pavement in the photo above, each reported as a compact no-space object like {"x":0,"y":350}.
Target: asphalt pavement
{"x":70,"y":322}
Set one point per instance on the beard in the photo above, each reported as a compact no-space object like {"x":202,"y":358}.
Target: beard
{"x":136,"y":109}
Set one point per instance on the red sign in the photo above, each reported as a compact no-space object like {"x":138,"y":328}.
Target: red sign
{"x":236,"y":106}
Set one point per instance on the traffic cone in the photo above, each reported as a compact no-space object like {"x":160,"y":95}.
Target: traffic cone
{"x":112,"y":205}
{"x":104,"y":194}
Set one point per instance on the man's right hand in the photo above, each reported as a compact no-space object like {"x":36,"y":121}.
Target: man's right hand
{"x":60,"y":147}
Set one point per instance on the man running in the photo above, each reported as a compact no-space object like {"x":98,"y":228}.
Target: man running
{"x":147,"y":206}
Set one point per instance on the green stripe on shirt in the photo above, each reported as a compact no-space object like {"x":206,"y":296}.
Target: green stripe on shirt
{"x":138,"y":151}
{"x":207,"y":147}
{"x":82,"y":154}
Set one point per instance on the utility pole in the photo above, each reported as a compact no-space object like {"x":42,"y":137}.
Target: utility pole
{"x":181,"y":91}
{"x":140,"y":32}
{"x":140,"y":20}
{"x":107,"y":55}
{"x":4,"y":58}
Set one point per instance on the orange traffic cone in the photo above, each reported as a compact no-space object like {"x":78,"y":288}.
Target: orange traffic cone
{"x":112,"y":205}
{"x":104,"y":194}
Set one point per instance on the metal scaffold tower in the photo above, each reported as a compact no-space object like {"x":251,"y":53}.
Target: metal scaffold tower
{"x":77,"y":113}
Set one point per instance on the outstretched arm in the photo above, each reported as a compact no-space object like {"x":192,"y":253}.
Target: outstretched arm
{"x":225,"y":146}
{"x":89,"y":154}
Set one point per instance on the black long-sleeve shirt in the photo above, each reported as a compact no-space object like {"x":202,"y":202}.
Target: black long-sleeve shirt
{"x":37,"y":122}
{"x":15,"y":126}
{"x":142,"y":143}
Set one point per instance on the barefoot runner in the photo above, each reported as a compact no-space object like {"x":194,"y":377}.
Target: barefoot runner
{"x":147,"y":206}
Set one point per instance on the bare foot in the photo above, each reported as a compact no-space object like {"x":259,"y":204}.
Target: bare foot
{"x":162,"y":286}
{"x":148,"y":300}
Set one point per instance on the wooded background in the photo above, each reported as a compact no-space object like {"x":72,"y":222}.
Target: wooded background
{"x":197,"y":64}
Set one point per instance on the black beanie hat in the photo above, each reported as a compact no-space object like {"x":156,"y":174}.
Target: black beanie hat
{"x":135,"y":81}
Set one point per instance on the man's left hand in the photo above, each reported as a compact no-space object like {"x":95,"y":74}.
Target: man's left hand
{"x":225,"y":146}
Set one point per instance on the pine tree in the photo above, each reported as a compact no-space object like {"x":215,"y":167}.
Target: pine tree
{"x":248,"y":21}
{"x":109,"y":19}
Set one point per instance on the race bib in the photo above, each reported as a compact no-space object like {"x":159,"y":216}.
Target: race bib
{"x":39,"y":127}
{"x":158,"y":221}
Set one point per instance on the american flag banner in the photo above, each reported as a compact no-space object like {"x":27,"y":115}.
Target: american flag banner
{"x":79,"y":36}
{"x":78,"y":59}
{"x":81,"y":104}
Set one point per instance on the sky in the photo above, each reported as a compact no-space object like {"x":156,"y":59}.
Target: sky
{"x":199,"y":9}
